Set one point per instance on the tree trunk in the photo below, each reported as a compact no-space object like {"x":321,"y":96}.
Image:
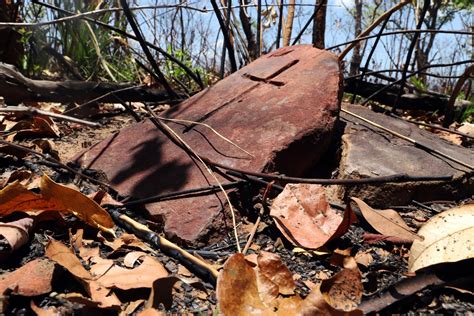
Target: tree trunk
{"x":247,"y":27}
{"x":319,"y":24}
{"x":356,"y":56}
{"x":16,"y":88}
{"x":289,"y":23}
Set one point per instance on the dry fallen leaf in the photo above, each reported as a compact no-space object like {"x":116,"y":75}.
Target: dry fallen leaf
{"x":240,"y":292}
{"x":112,"y":276}
{"x":274,"y":270}
{"x":77,"y":203}
{"x":21,"y":175}
{"x":448,"y":237}
{"x":387,"y":222}
{"x":344,"y":290}
{"x":32,"y":279}
{"x":54,"y":197}
{"x":64,"y":256}
{"x":128,"y":241}
{"x":15,"y":234}
{"x":303,"y":215}
{"x":39,"y":126}
{"x":237,"y":291}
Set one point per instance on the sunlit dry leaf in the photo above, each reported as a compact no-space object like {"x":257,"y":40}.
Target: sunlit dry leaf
{"x":131,"y":258}
{"x":103,"y":198}
{"x":237,"y":291}
{"x":271,"y":266}
{"x":387,"y":222}
{"x":62,"y":255}
{"x":315,"y":304}
{"x":302,"y":214}
{"x":132,"y":307}
{"x":142,"y":276}
{"x":39,"y":126}
{"x":344,"y":290}
{"x":129,"y":241}
{"x":21,"y":175}
{"x":54,"y":197}
{"x":15,"y":197}
{"x":150,"y":312}
{"x":448,"y":237}
{"x":32,"y":279}
{"x":77,"y":203}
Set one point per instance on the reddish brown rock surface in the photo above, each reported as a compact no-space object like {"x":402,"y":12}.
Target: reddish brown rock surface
{"x":281,"y":108}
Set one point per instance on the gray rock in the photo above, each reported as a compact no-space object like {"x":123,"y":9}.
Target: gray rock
{"x":369,"y":152}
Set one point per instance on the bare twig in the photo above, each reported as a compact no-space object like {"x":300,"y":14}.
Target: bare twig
{"x":209,"y":127}
{"x":151,"y":59}
{"x":433,"y":126}
{"x":180,"y":194}
{"x":411,"y":75}
{"x":259,"y":218}
{"x":448,"y":117}
{"x":413,"y":43}
{"x":259,"y":28}
{"x":53,"y":160}
{"x":225,"y":33}
{"x":363,"y":38}
{"x":280,"y":24}
{"x":194,"y":264}
{"x":374,"y":180}
{"x":364,"y":70}
{"x":34,"y":111}
{"x":311,"y":19}
{"x":367,"y":31}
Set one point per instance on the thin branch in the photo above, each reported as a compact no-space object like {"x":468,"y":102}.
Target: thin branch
{"x":374,"y":180}
{"x":228,"y":43}
{"x":363,"y":38}
{"x":209,"y":127}
{"x":372,"y":26}
{"x":259,"y":28}
{"x":433,"y":126}
{"x":448,"y":117}
{"x":413,"y":43}
{"x":364,"y":70}
{"x":194,"y":264}
{"x":151,"y":60}
{"x":181,"y":194}
{"x":53,"y":160}
{"x":375,"y":72}
{"x":34,"y":111}
{"x":411,"y":75}
{"x":307,"y":24}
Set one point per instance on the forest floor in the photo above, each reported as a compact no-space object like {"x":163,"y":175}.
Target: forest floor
{"x":381,"y":263}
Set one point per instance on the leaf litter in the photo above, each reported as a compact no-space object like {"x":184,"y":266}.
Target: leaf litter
{"x":306,"y":272}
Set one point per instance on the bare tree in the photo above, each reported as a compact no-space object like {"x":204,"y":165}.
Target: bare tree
{"x":319,"y":23}
{"x":356,"y":55}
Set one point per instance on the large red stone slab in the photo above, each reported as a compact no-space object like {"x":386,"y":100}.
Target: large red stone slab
{"x":281,"y":108}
